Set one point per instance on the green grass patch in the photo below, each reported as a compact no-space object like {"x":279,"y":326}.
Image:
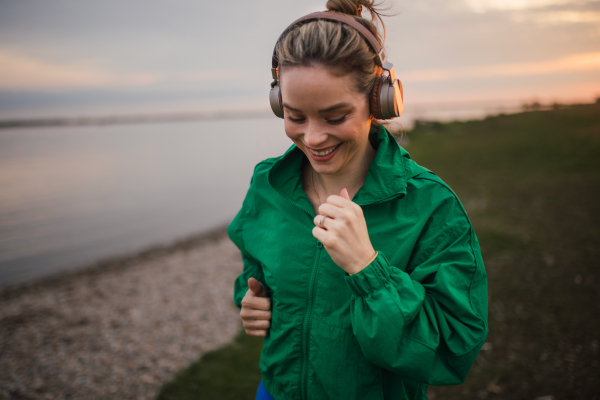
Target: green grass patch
{"x":228,"y":373}
{"x":530,"y":183}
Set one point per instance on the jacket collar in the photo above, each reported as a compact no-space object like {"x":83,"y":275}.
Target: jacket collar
{"x":386,"y":177}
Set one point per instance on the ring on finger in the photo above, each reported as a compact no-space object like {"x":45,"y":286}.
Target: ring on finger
{"x":320,"y":222}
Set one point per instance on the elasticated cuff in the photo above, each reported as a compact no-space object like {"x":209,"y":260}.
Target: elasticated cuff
{"x":371,"y":278}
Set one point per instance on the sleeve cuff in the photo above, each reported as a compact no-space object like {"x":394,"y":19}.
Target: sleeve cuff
{"x":372,"y":277}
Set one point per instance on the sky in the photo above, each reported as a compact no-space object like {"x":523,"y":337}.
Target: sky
{"x":82,"y":57}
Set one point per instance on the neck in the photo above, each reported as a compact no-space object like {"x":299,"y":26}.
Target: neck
{"x":351,"y":178}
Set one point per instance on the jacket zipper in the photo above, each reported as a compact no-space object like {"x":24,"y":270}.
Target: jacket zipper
{"x":306,"y":326}
{"x":308,"y":314}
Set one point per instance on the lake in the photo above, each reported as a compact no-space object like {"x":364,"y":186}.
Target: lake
{"x":70,"y":196}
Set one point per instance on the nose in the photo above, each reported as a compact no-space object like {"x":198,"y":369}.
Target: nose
{"x":315,"y":135}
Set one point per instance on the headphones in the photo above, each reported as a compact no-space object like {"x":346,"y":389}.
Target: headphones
{"x":387,"y":95}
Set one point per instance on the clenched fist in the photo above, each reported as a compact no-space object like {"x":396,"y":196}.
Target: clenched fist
{"x":256,"y":309}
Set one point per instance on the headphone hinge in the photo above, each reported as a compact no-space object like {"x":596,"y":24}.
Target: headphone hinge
{"x":390,"y":67}
{"x":274,"y":74}
{"x":382,"y":56}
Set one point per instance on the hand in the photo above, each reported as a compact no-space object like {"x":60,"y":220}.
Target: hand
{"x":256,"y":309}
{"x":344,"y":232}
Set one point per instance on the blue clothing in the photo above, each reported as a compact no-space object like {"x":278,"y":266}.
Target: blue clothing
{"x":262,"y":394}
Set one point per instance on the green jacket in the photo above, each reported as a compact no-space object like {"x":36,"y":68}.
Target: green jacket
{"x":417,"y":315}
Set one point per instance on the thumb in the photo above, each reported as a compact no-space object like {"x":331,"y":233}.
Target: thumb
{"x":344,"y":194}
{"x":257,"y":288}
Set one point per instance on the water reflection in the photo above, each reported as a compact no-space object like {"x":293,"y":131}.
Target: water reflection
{"x":71,"y":196}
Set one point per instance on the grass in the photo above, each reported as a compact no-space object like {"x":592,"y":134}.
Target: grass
{"x":229,"y":373}
{"x":530,"y":183}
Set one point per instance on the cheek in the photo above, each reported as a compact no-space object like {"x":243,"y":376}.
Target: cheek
{"x":291,"y":130}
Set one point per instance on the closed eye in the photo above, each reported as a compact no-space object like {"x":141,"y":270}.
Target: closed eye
{"x":329,"y":121}
{"x":336,"y":121}
{"x":296,"y":120}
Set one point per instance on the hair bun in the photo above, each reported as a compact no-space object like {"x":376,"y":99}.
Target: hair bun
{"x":350,"y":7}
{"x":355,"y":8}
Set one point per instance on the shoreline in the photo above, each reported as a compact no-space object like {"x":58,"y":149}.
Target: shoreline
{"x":121,"y":327}
{"x":114,"y":263}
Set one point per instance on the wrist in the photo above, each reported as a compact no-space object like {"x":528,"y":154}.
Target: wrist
{"x":355,"y":271}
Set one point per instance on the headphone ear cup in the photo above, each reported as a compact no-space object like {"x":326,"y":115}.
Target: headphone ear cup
{"x":374,"y":102}
{"x":399,"y":99}
{"x":390,"y":99}
{"x":275,"y":100}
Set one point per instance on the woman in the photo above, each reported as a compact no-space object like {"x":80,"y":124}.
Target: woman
{"x":361,"y":268}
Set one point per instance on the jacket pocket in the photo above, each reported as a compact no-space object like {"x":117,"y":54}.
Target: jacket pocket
{"x":338,"y":368}
{"x":280,"y":356}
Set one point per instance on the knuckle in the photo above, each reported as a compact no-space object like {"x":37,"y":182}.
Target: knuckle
{"x":260,"y":324}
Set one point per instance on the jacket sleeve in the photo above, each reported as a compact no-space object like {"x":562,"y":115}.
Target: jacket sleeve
{"x":429,"y":324}
{"x":252,"y":267}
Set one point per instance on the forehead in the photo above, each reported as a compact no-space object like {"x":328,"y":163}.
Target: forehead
{"x":317,"y":85}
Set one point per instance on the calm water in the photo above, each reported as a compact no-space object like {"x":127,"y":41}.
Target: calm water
{"x":72,"y":195}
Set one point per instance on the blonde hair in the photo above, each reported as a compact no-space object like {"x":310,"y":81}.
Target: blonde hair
{"x":335,"y":45}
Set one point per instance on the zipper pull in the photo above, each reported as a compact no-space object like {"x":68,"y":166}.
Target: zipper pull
{"x":319,"y":244}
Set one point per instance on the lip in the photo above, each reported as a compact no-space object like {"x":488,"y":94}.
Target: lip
{"x":328,"y":156}
{"x":323,"y":149}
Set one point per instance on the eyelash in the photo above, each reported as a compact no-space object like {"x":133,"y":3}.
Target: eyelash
{"x":332,"y":122}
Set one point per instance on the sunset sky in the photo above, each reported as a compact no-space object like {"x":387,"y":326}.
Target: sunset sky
{"x":79,"y":57}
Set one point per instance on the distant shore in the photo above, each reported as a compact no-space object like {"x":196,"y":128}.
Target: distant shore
{"x":121,"y":327}
{"x":129,"y":119}
{"x":418,"y":112}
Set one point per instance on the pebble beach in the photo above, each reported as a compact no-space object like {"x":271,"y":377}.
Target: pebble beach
{"x":122,"y":327}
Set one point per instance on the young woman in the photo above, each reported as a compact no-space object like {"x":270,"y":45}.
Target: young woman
{"x":361,"y":269}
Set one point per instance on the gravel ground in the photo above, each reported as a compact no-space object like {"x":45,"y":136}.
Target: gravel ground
{"x":119,"y":329}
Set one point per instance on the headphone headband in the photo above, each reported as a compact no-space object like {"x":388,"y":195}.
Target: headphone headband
{"x":333,"y":16}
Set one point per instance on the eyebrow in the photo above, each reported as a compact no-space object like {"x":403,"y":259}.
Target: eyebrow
{"x":331,"y":108}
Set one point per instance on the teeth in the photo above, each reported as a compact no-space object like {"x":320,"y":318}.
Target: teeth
{"x":324,"y":153}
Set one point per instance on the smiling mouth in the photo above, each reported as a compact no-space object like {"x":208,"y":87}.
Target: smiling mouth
{"x":324,"y":152}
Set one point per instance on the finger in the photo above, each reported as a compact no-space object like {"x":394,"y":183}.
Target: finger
{"x":319,"y":221}
{"x":256,"y":303}
{"x":345,"y":204}
{"x":256,"y":332}
{"x":256,"y":324}
{"x":331,"y":211}
{"x":320,"y":234}
{"x":250,"y":313}
{"x":344,"y":194}
{"x":338,"y":201}
{"x":257,"y":287}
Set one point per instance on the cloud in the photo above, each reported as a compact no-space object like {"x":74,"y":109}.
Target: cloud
{"x":24,"y":73}
{"x":558,"y":17}
{"x":18,"y":72}
{"x":571,"y":64}
{"x":541,"y":12}
{"x":481,"y":6}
